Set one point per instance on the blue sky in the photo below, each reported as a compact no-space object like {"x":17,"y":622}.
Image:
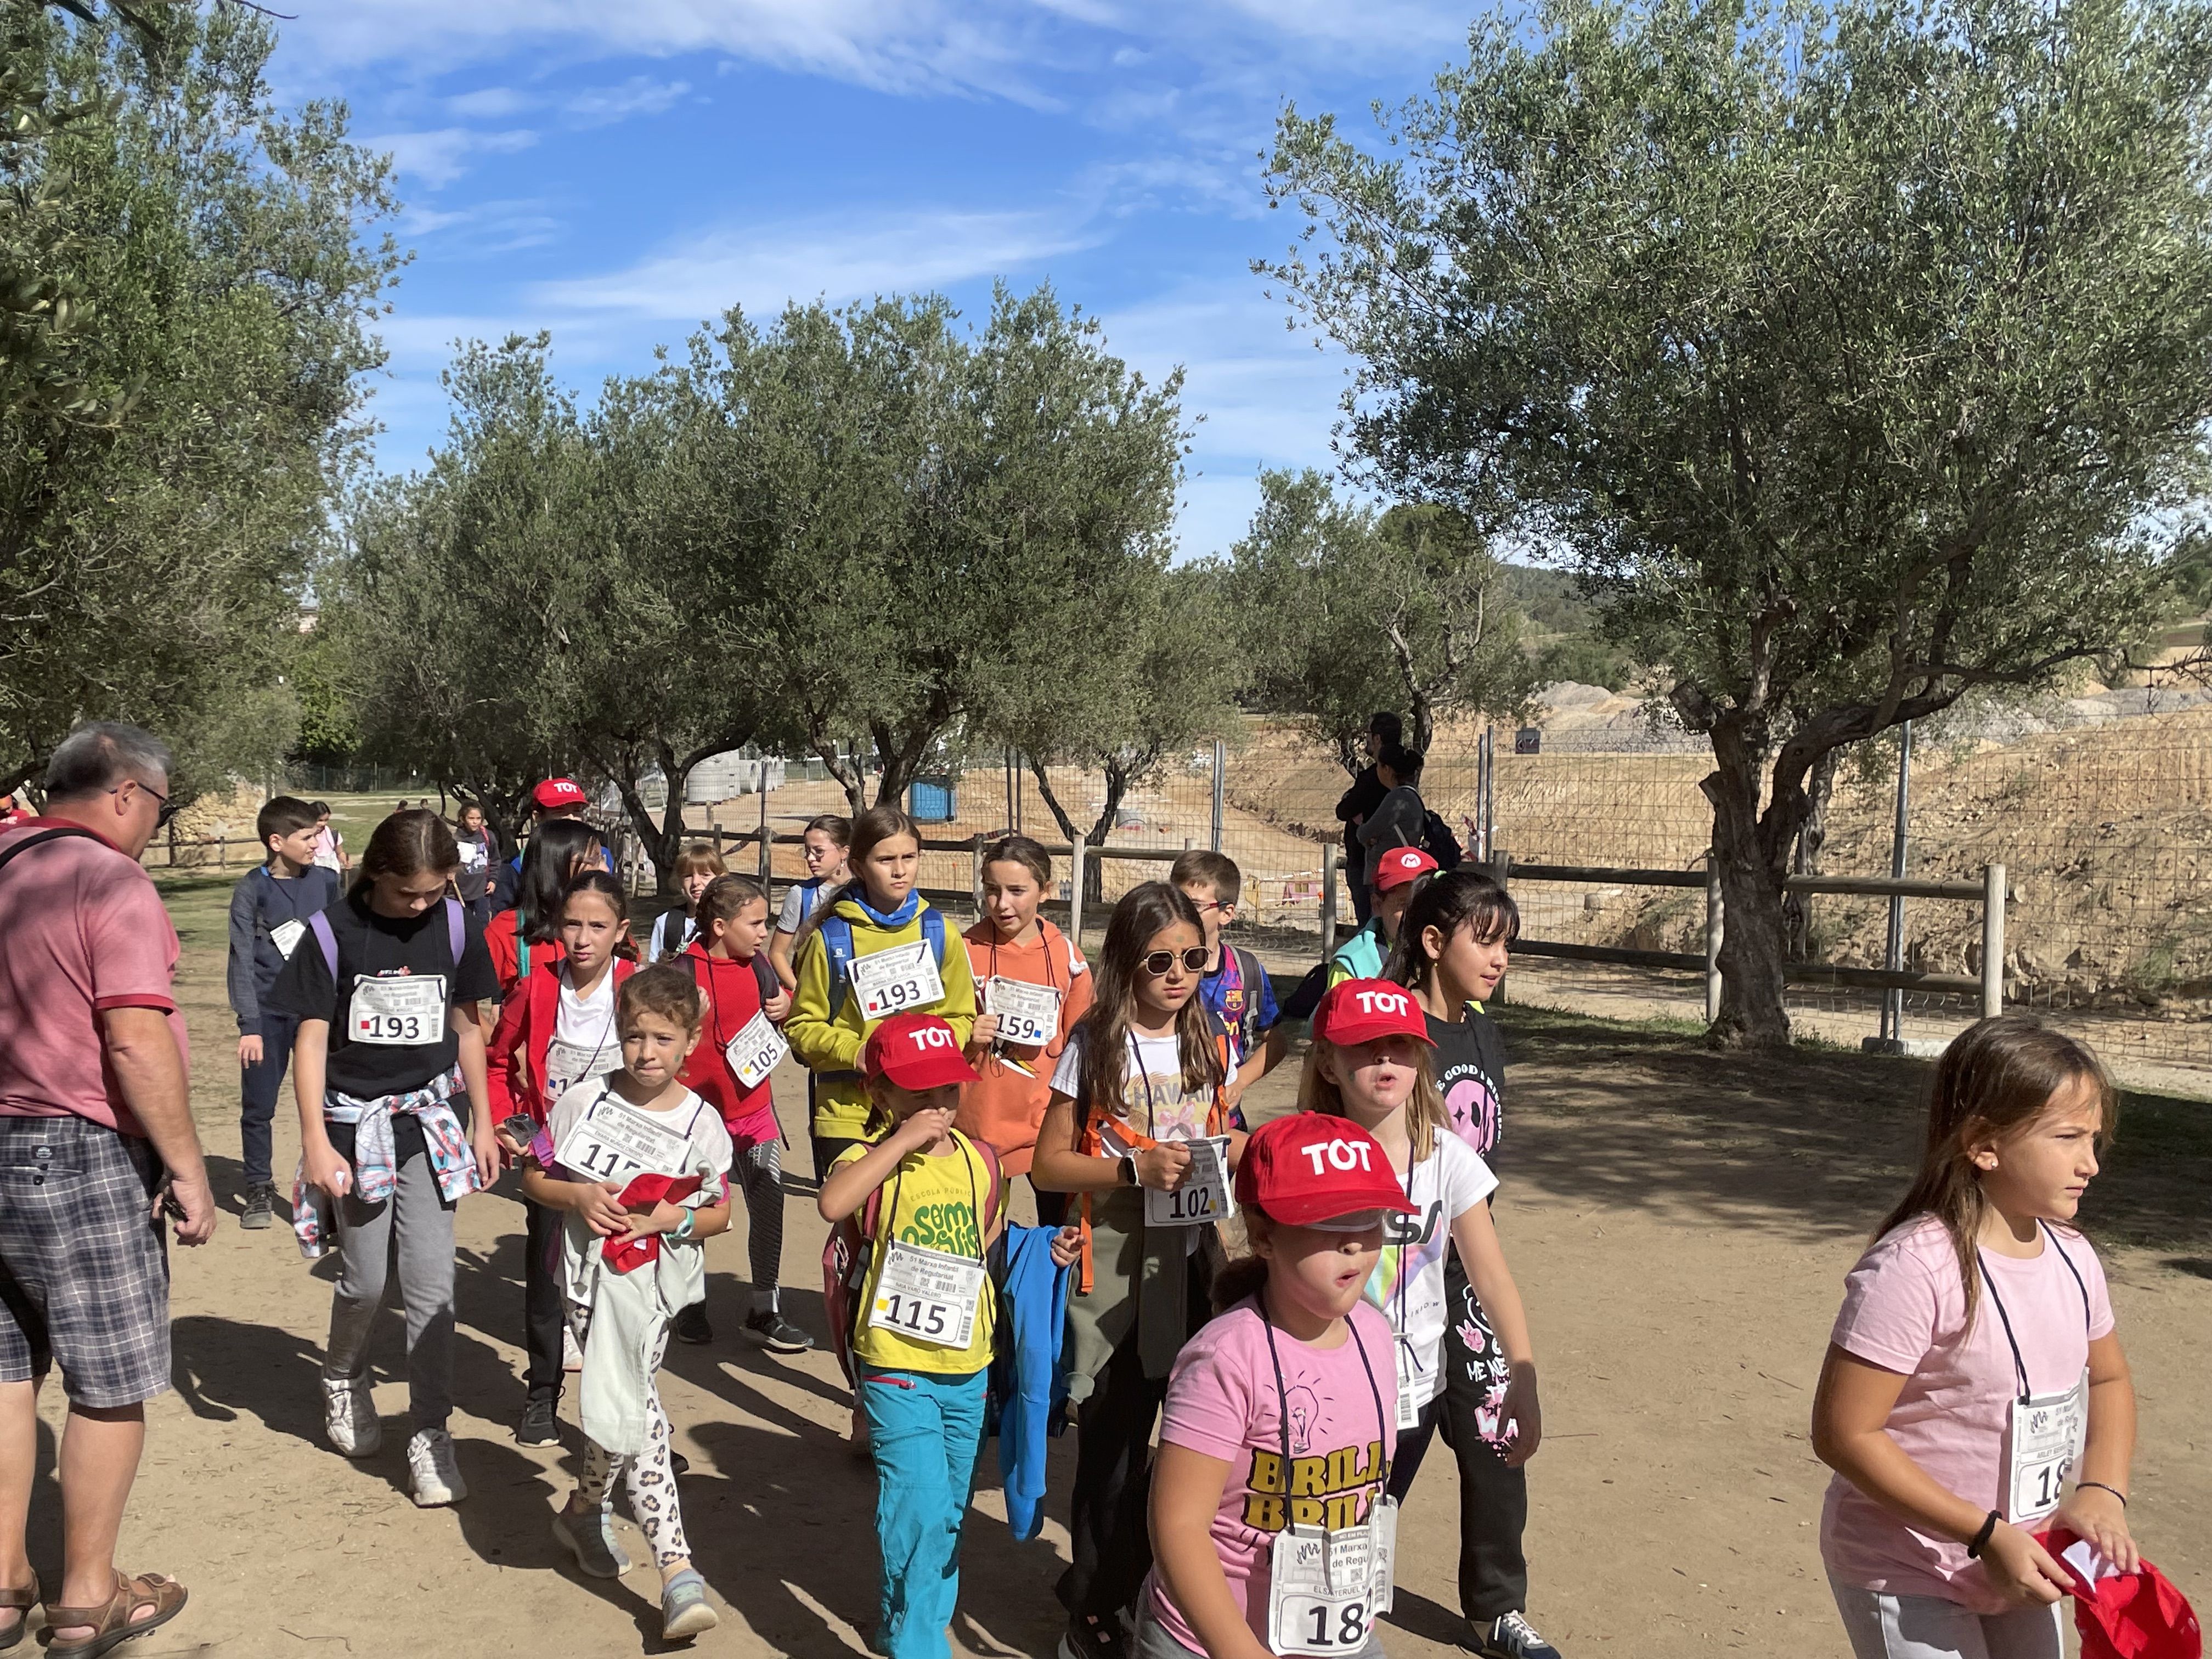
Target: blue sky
{"x":618,"y":172}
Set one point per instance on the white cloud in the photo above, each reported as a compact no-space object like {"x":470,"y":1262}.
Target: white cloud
{"x":856,"y":255}
{"x":490,"y":103}
{"x":435,"y":159}
{"x":639,"y":95}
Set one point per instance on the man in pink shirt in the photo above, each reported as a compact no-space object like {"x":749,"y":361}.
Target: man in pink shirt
{"x":93,"y":1110}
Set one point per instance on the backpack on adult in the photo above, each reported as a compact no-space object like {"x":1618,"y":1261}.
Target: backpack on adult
{"x":848,"y":1252}
{"x":837,"y":938}
{"x":1440,"y":843}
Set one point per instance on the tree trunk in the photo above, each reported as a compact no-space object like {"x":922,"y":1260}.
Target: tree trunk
{"x":1094,"y":870}
{"x":1425,"y":723}
{"x":851,"y":775}
{"x":1752,"y":950}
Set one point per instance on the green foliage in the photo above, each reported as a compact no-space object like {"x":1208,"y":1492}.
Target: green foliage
{"x":1343,"y":613}
{"x":1856,"y":354}
{"x":191,"y":287}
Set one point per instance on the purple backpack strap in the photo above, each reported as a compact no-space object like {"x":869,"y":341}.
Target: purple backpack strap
{"x":319,"y":924}
{"x":456,"y":930}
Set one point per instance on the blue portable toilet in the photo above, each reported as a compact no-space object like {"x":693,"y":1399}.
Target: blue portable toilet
{"x":933,"y":800}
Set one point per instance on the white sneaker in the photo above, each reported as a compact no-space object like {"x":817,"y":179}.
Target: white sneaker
{"x":431,"y":1468}
{"x":350,"y":1420}
{"x":572,"y":1356}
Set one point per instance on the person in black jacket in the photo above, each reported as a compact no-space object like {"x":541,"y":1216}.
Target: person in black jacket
{"x":1384,"y":730}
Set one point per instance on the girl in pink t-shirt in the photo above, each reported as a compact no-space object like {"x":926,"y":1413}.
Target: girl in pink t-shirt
{"x":1973,"y":1370}
{"x":1276,"y":1439}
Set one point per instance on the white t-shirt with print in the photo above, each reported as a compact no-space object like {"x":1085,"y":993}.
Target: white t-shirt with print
{"x":1152,"y":1096}
{"x":707,"y":1148}
{"x":585,"y":1044}
{"x":1408,"y":1283}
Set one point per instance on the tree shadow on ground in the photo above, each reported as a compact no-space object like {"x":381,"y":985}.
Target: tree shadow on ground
{"x":1612,"y":1114}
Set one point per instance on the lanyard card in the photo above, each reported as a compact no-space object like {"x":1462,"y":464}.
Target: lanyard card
{"x":613,"y":1141}
{"x":285,"y":936}
{"x":755,"y":1051}
{"x":1322,"y":1599}
{"x":928,"y":1296}
{"x":397,"y":1011}
{"x":2045,"y":1436}
{"x":1204,"y":1195}
{"x":1411,"y":1384}
{"x":1029,"y":1015}
{"x":567,"y":1063}
{"x":894,"y":980}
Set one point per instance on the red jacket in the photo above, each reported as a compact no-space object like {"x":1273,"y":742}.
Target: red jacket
{"x":527,"y":1021}
{"x":732,"y":992}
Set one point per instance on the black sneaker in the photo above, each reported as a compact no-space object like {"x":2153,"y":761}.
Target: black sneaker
{"x":777,"y":1334}
{"x":679,"y":1463}
{"x":691,"y":1324}
{"x":260,"y":1207}
{"x":541,"y":1421}
{"x":1511,"y":1637}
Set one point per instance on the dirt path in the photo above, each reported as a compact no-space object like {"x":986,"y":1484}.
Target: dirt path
{"x":1679,"y":1223}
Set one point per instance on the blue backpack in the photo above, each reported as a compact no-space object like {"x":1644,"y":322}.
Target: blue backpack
{"x":837,"y":938}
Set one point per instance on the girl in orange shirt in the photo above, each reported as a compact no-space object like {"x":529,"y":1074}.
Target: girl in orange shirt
{"x":1032,"y":985}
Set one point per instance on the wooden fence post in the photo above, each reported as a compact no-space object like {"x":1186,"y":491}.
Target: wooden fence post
{"x":1993,"y":940}
{"x":1714,"y":925}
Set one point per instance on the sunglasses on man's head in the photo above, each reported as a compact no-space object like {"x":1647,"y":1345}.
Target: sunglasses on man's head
{"x":1158,"y":963}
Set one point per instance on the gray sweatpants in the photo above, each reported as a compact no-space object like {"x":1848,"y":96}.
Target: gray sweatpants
{"x":425,"y":1229}
{"x":1882,"y":1627}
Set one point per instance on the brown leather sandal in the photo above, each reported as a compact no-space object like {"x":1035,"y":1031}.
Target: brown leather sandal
{"x":111,"y":1623}
{"x":18,"y":1601}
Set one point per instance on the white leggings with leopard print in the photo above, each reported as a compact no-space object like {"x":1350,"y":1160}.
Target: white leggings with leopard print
{"x":648,"y":1478}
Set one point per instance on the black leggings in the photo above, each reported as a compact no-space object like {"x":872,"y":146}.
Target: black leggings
{"x":1108,"y":1531}
{"x":543,"y":1323}
{"x":1493,"y":1497}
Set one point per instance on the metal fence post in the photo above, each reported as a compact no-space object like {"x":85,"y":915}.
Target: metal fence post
{"x":1329,"y":860}
{"x":975,"y":872}
{"x":1501,"y":872}
{"x":1993,"y":940}
{"x":1220,"y":766}
{"x":766,"y":850}
{"x":1483,"y":766}
{"x":1892,"y":1002}
{"x":1075,"y":891}
{"x":1716,"y":924}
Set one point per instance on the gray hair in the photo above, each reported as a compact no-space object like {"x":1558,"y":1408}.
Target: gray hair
{"x":101,"y":755}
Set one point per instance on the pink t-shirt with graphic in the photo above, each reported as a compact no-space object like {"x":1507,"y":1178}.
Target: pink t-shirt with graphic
{"x":81,"y":931}
{"x":1905,"y":1310}
{"x":1222,"y":1402}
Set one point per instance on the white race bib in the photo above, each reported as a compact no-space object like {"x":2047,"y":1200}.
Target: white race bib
{"x":1413,"y":1385}
{"x":2044,"y":1438}
{"x":1327,"y":1588}
{"x":285,"y":936}
{"x":398,"y":1010}
{"x":1204,"y":1195}
{"x":1029,"y":1015}
{"x":613,"y":1141}
{"x":897,"y":980}
{"x":755,"y":1051}
{"x":928,"y":1296}
{"x":568,"y":1063}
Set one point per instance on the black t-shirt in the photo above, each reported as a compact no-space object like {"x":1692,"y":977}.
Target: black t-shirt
{"x":375,"y":946}
{"x":1470,"y":1066}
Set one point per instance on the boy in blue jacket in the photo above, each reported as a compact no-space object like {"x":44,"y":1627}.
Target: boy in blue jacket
{"x":268,"y":912}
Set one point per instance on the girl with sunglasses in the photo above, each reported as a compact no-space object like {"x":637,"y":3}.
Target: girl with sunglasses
{"x":1137,"y":1129}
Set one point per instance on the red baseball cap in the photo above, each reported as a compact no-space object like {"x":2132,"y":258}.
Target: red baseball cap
{"x":1361,"y":1010}
{"x":557,"y":793}
{"x":1399,"y":866}
{"x":1310,"y":1168}
{"x":916,"y":1052}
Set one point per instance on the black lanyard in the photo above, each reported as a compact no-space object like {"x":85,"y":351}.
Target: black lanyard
{"x":1144,"y":1076}
{"x":1043,"y":940}
{"x":967,"y":1163}
{"x":2019,"y":1365}
{"x":605,"y":1031}
{"x":1282,"y":1401}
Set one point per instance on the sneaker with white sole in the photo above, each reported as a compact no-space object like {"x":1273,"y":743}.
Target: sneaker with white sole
{"x":571,"y":1355}
{"x":350,"y":1420}
{"x":431,"y":1470}
{"x":1511,"y":1637}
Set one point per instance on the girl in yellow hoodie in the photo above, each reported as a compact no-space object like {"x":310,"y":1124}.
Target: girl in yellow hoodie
{"x":876,"y":950}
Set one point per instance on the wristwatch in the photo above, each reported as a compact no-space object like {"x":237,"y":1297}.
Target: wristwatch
{"x":1129,"y":1171}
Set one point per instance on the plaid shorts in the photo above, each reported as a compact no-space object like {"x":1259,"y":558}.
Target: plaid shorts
{"x":84,"y":1275}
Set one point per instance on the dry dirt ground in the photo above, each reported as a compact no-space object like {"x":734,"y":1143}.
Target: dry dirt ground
{"x":1680,"y":1222}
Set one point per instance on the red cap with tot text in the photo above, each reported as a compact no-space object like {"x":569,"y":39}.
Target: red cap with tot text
{"x":1362,"y":1010}
{"x":1310,"y":1168}
{"x":915,"y":1052}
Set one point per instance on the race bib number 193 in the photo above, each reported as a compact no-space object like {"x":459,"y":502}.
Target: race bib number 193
{"x":398,"y":1010}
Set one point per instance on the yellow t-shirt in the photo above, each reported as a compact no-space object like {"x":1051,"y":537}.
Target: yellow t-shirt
{"x":935,"y":1202}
